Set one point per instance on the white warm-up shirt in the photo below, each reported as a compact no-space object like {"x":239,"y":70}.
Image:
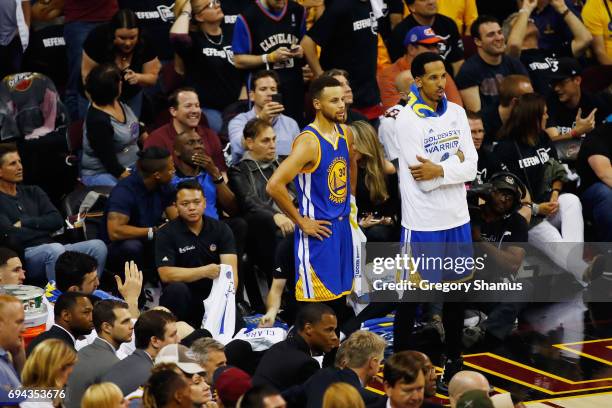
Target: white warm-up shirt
{"x":437,"y":204}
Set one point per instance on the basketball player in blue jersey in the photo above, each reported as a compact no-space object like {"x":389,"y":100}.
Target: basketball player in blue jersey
{"x":319,"y":164}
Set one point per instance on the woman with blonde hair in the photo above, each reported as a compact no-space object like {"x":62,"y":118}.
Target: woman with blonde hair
{"x":48,"y":367}
{"x":342,"y":395}
{"x":103,"y":395}
{"x":377,"y":187}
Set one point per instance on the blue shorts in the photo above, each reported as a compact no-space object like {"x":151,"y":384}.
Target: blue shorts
{"x":324,"y":269}
{"x":442,"y":254}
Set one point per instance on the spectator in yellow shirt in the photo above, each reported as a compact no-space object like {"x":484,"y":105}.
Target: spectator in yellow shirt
{"x":597,"y":17}
{"x":463,"y":12}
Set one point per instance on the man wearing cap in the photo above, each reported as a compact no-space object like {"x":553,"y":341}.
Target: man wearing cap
{"x":523,"y":34}
{"x":182,"y":360}
{"x":425,"y":13}
{"x":418,"y":40}
{"x":572,"y":112}
{"x":497,"y":227}
{"x":230,"y":384}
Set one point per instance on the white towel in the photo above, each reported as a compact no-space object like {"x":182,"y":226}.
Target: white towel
{"x":220,"y":307}
{"x":24,"y":31}
{"x":379,"y":8}
{"x":358,"y":258}
{"x":262,"y":338}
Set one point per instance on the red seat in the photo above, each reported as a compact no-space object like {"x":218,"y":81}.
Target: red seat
{"x":596,"y":78}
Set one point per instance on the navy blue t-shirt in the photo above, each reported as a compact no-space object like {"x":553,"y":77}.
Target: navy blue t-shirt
{"x":144,"y":208}
{"x":476,"y":72}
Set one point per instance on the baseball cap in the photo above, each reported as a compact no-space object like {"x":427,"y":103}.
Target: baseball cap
{"x":566,"y":68}
{"x":421,"y":35}
{"x":506,"y":182}
{"x":475,"y":399}
{"x":181,"y":356}
{"x":231,"y":383}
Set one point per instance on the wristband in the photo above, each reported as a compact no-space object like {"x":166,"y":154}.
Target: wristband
{"x":218,"y":180}
{"x":565,"y":13}
{"x":150,"y":234}
{"x":574,"y":134}
{"x":535,"y":209}
{"x":264,"y":58}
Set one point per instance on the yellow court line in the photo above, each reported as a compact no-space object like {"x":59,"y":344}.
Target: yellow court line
{"x":535,"y":370}
{"x":567,"y":398}
{"x":544,"y":390}
{"x":580,"y":353}
{"x":582,"y":342}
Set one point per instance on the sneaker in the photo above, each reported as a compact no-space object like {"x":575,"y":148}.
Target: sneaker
{"x":451,"y":367}
{"x":595,"y":268}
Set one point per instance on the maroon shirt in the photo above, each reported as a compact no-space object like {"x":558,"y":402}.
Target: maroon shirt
{"x":89,"y":10}
{"x":165,"y":135}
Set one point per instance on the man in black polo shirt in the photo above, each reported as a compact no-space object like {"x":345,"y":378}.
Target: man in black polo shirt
{"x":188,"y":254}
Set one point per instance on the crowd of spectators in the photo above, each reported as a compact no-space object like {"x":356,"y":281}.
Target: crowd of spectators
{"x":176,"y":114}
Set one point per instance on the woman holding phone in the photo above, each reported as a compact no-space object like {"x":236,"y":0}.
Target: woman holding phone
{"x":203,"y":46}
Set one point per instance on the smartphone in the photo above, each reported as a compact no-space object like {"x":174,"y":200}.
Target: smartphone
{"x":278,"y":98}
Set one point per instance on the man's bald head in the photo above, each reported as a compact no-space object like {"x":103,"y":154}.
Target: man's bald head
{"x":403,"y":80}
{"x":465,"y":381}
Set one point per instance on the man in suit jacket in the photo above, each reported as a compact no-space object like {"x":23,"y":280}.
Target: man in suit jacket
{"x":405,"y":382}
{"x":153,"y":330}
{"x":290,"y":361}
{"x":358,"y":360}
{"x":73,"y":319}
{"x":113,"y":323}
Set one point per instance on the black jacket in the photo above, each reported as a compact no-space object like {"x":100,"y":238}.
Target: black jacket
{"x":54,"y":332}
{"x":310,"y":394}
{"x":39,"y":218}
{"x":248,"y":180}
{"x":285,"y":364}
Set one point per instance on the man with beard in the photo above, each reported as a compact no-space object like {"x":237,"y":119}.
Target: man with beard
{"x":436,"y":158}
{"x":73,"y":319}
{"x":499,"y":229}
{"x":320,"y":163}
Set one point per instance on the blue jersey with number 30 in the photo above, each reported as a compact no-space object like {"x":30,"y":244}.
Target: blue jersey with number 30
{"x":324,"y":189}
